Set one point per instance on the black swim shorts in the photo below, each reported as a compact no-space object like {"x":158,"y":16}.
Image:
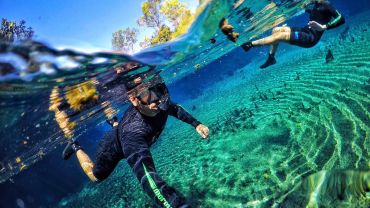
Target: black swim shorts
{"x":304,"y":37}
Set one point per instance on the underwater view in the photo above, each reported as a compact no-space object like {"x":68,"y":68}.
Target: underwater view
{"x":224,"y":103}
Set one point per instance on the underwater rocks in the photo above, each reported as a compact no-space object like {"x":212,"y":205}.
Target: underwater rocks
{"x":329,"y":56}
{"x":261,"y":95}
{"x":193,"y":108}
{"x":344,"y":33}
{"x":297,"y":76}
{"x":305,"y":106}
{"x":237,"y":119}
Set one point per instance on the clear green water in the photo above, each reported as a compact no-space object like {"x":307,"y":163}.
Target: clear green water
{"x":275,"y":134}
{"x":317,"y":122}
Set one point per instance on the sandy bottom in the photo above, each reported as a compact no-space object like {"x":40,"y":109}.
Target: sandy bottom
{"x":269,"y":130}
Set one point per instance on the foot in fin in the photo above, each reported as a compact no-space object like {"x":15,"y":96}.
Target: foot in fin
{"x":270,"y":61}
{"x":113,"y":121}
{"x":247,"y":46}
{"x":71,"y":148}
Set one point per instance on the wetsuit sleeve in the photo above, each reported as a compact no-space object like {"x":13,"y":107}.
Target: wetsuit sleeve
{"x":308,"y":7}
{"x":180,"y":113}
{"x":337,"y":20}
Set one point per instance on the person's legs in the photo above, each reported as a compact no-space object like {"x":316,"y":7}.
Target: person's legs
{"x":278,"y":34}
{"x":140,"y":160}
{"x":84,"y":160}
{"x":284,"y":29}
{"x":86,"y":164}
{"x":109,"y":153}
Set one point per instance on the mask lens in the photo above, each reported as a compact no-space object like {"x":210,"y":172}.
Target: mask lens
{"x":143,"y":96}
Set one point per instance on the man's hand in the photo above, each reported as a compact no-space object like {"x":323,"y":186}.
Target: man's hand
{"x":138,"y":80}
{"x":153,"y":106}
{"x":135,"y":102}
{"x":202,"y":130}
{"x":316,"y":26}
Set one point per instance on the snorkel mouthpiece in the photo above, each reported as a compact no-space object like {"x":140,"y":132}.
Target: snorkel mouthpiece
{"x":163,"y":104}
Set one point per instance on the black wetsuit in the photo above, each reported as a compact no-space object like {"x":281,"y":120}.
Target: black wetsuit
{"x":132,"y":140}
{"x":322,"y":13}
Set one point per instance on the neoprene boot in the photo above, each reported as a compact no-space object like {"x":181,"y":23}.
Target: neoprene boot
{"x":247,"y":46}
{"x":270,"y":61}
{"x":71,"y":148}
{"x":112,"y":121}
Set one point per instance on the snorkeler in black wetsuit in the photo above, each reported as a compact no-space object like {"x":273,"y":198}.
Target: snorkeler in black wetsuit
{"x":131,"y":139}
{"x":323,"y":16}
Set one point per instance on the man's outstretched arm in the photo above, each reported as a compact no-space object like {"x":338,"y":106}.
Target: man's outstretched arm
{"x":180,"y":113}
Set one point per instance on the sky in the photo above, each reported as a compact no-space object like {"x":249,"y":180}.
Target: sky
{"x":81,"y":24}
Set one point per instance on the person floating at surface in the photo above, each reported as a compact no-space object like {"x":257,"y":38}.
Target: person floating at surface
{"x":323,"y":16}
{"x":228,"y":30}
{"x":131,"y":139}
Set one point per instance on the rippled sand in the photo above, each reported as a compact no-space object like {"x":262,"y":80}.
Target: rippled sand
{"x":270,"y":130}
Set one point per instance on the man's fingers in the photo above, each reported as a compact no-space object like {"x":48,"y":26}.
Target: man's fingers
{"x":205,"y":133}
{"x":153,"y":106}
{"x":204,"y":136}
{"x":201,"y":133}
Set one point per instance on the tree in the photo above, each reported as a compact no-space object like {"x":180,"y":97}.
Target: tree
{"x":178,"y":15}
{"x":145,"y":43}
{"x":12,"y":31}
{"x":201,"y":1}
{"x":164,"y":34}
{"x":156,"y":15}
{"x":173,"y":10}
{"x":125,"y":39}
{"x":151,"y":15}
{"x":185,"y":22}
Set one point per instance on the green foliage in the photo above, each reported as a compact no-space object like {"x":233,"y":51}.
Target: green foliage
{"x":173,"y":10}
{"x":185,"y":22}
{"x":12,"y":31}
{"x":125,"y":39}
{"x":163,"y":35}
{"x":202,"y":1}
{"x":145,"y":43}
{"x":168,"y":18}
{"x":178,"y":15}
{"x":151,"y":15}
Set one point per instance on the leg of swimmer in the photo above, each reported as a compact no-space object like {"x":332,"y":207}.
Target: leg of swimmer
{"x":85,"y":161}
{"x":271,"y":57}
{"x":281,"y":29}
{"x":273,"y":39}
{"x":86,"y":164}
{"x":108,"y":155}
{"x":274,"y":48}
{"x":278,"y":34}
{"x":141,"y":161}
